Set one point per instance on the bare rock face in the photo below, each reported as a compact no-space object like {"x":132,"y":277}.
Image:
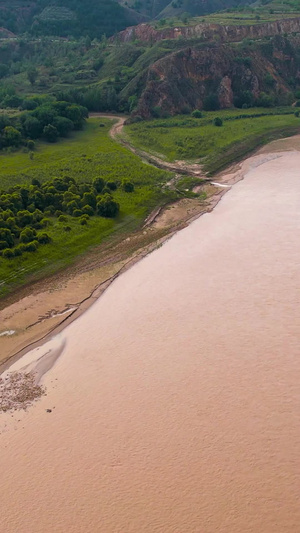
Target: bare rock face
{"x":225,"y":93}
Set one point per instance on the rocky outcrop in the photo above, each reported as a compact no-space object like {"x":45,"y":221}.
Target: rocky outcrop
{"x":211,"y":32}
{"x":193,"y":78}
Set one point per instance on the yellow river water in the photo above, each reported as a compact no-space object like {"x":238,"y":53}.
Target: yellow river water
{"x":175,"y":400}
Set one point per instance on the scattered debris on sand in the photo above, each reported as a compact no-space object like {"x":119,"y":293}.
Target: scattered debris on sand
{"x":18,"y":390}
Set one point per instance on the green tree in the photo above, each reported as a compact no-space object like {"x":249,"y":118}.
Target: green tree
{"x":98,"y":183}
{"x":50,"y":133}
{"x":32,"y":127}
{"x":7,"y":237}
{"x":27,"y":235}
{"x":63,"y":125}
{"x":44,"y":238}
{"x":11,"y":137}
{"x":4,"y":70}
{"x":211,"y":102}
{"x":32,"y":75}
{"x":107,"y":207}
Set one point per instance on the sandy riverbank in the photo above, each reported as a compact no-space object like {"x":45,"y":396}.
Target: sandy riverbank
{"x":37,"y":311}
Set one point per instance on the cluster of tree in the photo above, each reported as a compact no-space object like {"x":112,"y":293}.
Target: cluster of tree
{"x":24,"y":210}
{"x":93,"y":98}
{"x":66,"y":17}
{"x":43,"y":119}
{"x":104,"y":98}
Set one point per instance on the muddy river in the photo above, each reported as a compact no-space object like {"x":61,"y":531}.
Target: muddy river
{"x":175,"y":398}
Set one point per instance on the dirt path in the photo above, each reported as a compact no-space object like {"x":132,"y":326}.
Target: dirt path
{"x":182,"y":168}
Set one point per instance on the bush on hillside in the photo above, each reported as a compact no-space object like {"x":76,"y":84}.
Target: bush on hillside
{"x":218,"y":122}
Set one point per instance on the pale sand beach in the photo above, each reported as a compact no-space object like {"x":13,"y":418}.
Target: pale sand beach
{"x":172,"y":404}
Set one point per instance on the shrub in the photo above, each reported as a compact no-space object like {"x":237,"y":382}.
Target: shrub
{"x":30,"y":145}
{"x":50,"y":133}
{"x":8,"y":253}
{"x":218,"y":122}
{"x":62,"y":218}
{"x":112,"y":185}
{"x":107,"y":207}
{"x":77,"y":213}
{"x":265,"y":100}
{"x":297,"y":113}
{"x":156,"y":111}
{"x":18,"y":251}
{"x":7,"y":237}
{"x":27,"y":235}
{"x":88,"y":210}
{"x":45,"y":222}
{"x":197,"y":113}
{"x":127,"y":186}
{"x":31,"y":246}
{"x":21,"y":247}
{"x":67,"y":228}
{"x":98,"y":183}
{"x":89,"y":198}
{"x":44,"y":238}
{"x":24,"y":218}
{"x":83,"y":221}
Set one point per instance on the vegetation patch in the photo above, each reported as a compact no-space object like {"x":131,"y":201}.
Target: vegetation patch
{"x":214,"y":147}
{"x":69,"y":198}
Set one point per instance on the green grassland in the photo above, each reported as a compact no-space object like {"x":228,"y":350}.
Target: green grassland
{"x":243,"y":17}
{"x":86,"y":155}
{"x":214,"y":147}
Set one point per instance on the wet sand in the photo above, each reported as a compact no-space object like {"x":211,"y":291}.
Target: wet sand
{"x":174,"y":400}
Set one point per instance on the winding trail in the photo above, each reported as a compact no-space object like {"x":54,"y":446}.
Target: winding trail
{"x":181,"y":168}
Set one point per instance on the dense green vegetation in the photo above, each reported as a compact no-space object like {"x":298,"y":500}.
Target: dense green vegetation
{"x":45,"y":117}
{"x":96,"y":17}
{"x":202,"y":140}
{"x":65,"y":17}
{"x":240,"y":15}
{"x":42,"y":215}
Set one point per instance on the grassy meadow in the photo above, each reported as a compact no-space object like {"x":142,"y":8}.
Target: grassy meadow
{"x":88,"y":154}
{"x":188,"y":138}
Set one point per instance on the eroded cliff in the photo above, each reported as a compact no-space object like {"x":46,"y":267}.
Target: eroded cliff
{"x":219,"y":76}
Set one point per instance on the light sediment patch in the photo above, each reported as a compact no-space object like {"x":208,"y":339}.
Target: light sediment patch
{"x":18,"y":390}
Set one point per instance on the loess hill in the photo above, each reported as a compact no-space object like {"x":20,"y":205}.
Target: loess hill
{"x":95,"y":17}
